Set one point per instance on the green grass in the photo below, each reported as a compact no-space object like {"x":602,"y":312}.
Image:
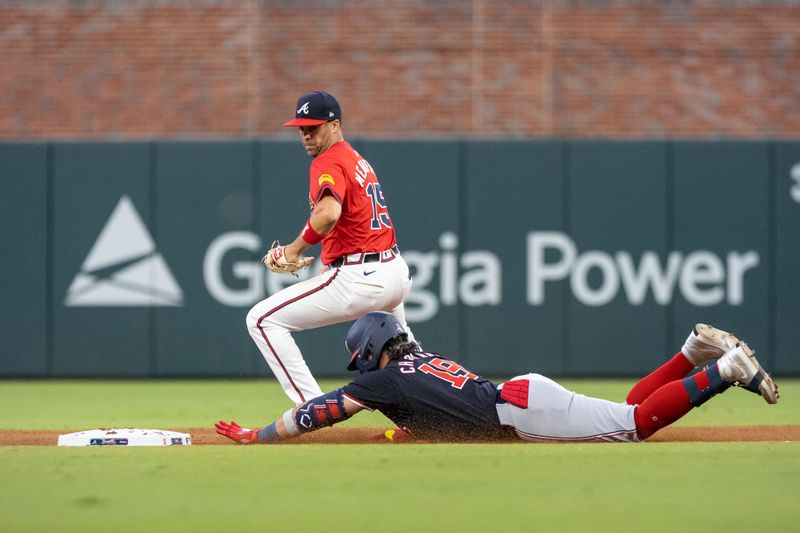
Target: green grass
{"x":658,"y":487}
{"x":160,"y":404}
{"x":470,"y":487}
{"x":171,"y":404}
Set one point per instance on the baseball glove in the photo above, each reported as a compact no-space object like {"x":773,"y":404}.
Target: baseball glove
{"x":275,"y":261}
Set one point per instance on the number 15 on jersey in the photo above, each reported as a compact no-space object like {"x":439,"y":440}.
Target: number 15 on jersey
{"x":380,"y":216}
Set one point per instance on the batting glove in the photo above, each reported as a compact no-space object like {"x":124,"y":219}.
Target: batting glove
{"x":235,"y":432}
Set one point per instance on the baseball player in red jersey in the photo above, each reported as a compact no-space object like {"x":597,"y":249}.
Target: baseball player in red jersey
{"x":350,"y":219}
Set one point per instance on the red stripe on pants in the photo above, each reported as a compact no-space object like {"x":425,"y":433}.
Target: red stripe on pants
{"x":278,"y":308}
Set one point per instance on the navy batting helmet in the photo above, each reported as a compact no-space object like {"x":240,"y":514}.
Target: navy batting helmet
{"x":367,"y":337}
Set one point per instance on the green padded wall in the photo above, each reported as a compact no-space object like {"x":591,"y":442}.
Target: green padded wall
{"x":569,"y":258}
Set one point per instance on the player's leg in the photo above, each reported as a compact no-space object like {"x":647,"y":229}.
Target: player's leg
{"x":737,"y":367}
{"x":395,"y":283}
{"x":400,"y":314}
{"x":539,"y":409}
{"x":335,"y":296}
{"x":705,"y":343}
{"x":270,"y":323}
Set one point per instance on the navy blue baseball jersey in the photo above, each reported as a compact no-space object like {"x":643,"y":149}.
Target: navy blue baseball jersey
{"x":432,"y":398}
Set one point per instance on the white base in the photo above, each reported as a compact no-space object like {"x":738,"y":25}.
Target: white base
{"x":125,"y":437}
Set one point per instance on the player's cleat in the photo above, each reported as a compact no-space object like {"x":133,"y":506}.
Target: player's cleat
{"x":706,"y":343}
{"x":740,"y":367}
{"x":235,"y":432}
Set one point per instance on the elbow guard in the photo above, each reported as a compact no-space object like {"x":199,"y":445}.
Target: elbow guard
{"x":322,"y":411}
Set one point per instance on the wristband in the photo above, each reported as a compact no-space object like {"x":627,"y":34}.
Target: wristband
{"x":268,"y":434}
{"x":310,"y":235}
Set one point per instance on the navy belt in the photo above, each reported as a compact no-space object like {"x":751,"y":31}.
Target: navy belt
{"x":372,"y":257}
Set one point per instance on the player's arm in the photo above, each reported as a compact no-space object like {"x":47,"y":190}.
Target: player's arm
{"x":322,"y":411}
{"x":322,"y":220}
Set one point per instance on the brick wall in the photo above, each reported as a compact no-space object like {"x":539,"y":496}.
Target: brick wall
{"x":401,"y":68}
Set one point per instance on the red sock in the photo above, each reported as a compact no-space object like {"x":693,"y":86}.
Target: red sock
{"x":676,"y":368}
{"x":673,"y":400}
{"x":662,"y":408}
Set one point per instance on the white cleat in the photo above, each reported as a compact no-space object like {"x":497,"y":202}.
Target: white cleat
{"x":740,"y":367}
{"x":706,"y":343}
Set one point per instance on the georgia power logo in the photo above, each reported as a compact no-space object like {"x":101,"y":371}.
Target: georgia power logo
{"x":123,"y":267}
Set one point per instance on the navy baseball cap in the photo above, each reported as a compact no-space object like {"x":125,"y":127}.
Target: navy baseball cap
{"x":315,"y":108}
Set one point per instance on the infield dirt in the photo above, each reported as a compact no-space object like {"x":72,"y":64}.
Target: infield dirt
{"x":205,"y":436}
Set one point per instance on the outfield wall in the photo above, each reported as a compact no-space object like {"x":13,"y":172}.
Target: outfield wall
{"x":571,"y":258}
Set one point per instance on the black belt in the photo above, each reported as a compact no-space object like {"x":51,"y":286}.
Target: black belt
{"x":373,"y":257}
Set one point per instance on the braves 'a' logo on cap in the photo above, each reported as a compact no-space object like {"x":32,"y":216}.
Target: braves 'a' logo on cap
{"x":303,"y":109}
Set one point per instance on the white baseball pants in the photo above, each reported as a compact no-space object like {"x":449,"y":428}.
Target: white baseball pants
{"x":557,"y":414}
{"x":337,"y":295}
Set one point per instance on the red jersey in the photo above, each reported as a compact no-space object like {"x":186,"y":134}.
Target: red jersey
{"x":364,"y":225}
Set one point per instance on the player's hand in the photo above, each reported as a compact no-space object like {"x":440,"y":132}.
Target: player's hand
{"x":291,"y":254}
{"x":237,"y":433}
{"x":294,"y":257}
{"x":279,"y":261}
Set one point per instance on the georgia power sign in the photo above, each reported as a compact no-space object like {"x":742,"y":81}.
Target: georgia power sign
{"x":124,"y":268}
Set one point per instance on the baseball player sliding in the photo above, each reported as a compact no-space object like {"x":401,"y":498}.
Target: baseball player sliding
{"x":349,"y":217}
{"x":434,"y":398}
